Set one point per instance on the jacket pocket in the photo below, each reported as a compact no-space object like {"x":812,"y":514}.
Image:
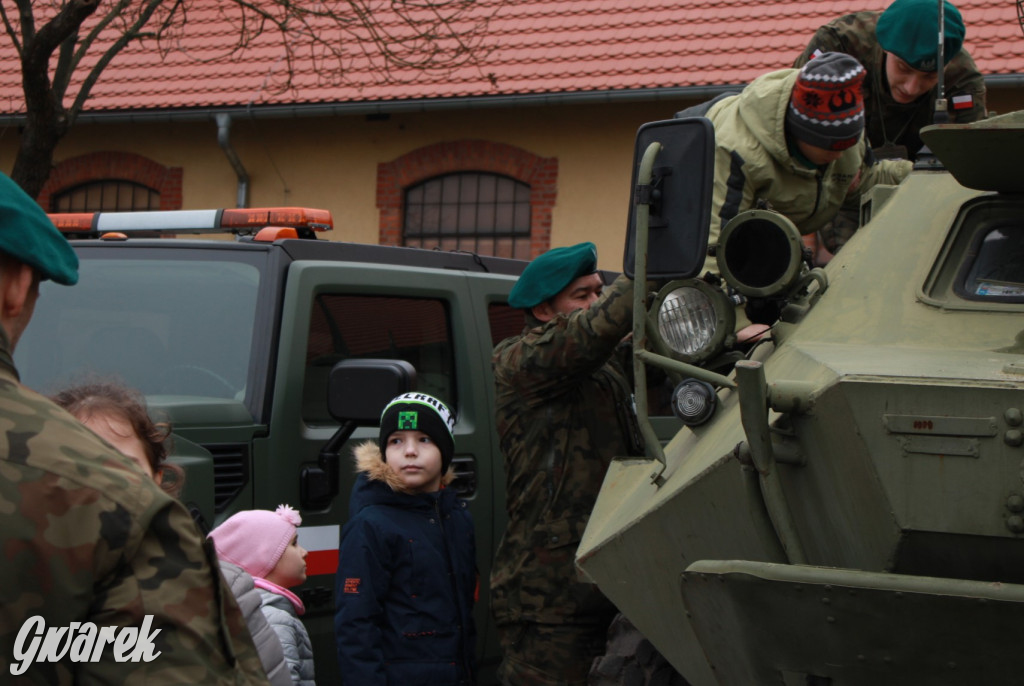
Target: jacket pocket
{"x":559,"y":533}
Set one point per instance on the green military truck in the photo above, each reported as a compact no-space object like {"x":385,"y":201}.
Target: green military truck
{"x":234,"y":341}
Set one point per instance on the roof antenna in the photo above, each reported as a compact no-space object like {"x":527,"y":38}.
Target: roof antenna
{"x":941,"y":108}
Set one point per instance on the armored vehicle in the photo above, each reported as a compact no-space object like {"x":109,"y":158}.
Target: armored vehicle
{"x":846,"y":504}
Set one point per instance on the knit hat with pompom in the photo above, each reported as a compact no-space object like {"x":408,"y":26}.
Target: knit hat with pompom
{"x":256,"y":539}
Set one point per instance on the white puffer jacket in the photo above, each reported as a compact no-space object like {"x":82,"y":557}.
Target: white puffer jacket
{"x":298,"y":650}
{"x":267,"y":644}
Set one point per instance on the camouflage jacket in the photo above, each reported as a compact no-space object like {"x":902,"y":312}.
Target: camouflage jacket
{"x":88,"y":538}
{"x":887,"y":120}
{"x":564,"y":410}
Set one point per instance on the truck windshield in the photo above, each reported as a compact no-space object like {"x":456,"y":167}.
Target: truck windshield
{"x":164,"y":326}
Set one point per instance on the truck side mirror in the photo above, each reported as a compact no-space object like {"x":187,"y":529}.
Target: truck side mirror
{"x":678,"y":195}
{"x":357,"y":391}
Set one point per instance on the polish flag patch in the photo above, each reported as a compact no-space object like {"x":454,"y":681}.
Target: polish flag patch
{"x":963,"y":102}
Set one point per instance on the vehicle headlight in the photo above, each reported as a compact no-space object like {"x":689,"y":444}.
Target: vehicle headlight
{"x":694,"y":402}
{"x":693,"y":319}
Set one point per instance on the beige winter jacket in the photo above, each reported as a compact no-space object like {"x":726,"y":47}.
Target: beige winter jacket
{"x":753,"y":162}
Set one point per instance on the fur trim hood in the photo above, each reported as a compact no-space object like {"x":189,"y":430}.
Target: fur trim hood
{"x":370,"y":461}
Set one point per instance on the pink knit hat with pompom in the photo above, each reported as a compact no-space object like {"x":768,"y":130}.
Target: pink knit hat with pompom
{"x":256,"y":539}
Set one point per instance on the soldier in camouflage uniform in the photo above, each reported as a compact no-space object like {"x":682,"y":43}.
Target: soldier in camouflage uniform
{"x":898,"y":48}
{"x":91,"y":545}
{"x":563,"y":411}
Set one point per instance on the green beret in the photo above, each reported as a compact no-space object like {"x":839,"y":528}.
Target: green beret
{"x":550,"y":273}
{"x":909,"y":29}
{"x":28,"y":235}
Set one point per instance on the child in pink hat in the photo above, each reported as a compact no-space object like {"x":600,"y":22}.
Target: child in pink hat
{"x":265,"y":544}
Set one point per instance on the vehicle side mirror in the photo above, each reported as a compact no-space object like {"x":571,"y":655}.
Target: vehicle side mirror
{"x":357,"y":391}
{"x":678,"y":195}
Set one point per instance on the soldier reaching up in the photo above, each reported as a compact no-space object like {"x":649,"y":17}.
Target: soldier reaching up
{"x":563,"y":411}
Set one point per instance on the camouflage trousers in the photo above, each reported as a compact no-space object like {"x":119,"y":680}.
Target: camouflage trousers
{"x":548,"y":654}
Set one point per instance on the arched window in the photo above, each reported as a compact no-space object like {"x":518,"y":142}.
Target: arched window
{"x":110,"y":180}
{"x":108,"y":195}
{"x":486,"y":197}
{"x":475,"y":211}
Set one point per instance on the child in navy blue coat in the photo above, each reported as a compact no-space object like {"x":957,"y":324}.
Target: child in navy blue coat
{"x":407,"y":560}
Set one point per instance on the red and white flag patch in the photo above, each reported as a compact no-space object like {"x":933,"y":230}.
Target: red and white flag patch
{"x":963,"y":102}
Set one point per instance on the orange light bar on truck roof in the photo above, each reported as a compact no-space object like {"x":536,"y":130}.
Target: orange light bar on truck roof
{"x":73,"y":222}
{"x":303,"y":220}
{"x":296,"y":217}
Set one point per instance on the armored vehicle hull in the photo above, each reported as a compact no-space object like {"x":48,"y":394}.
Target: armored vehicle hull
{"x":853,"y":511}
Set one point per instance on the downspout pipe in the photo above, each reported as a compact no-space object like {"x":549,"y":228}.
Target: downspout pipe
{"x":224,"y":140}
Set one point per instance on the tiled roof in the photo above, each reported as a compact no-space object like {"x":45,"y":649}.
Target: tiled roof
{"x":535,"y":47}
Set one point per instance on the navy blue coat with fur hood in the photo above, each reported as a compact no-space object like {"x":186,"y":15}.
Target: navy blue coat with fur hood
{"x":405,"y":584}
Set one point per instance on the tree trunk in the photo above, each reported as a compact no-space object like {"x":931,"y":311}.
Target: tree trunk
{"x":34,"y":160}
{"x":46,"y":119}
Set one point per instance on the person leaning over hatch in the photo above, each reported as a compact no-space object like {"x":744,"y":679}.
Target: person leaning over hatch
{"x":792,"y":140}
{"x":899,"y":51}
{"x":90,"y":541}
{"x":564,"y":410}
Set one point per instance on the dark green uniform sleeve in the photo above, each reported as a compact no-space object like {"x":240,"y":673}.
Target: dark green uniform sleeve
{"x":825,"y":39}
{"x":963,"y":82}
{"x":573,"y":347}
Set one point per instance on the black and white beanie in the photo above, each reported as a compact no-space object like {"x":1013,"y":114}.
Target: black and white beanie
{"x":420,"y":412}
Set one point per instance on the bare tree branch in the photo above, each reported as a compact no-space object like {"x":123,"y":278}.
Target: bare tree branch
{"x":394,"y":40}
{"x":10,"y":30}
{"x":129,"y":34}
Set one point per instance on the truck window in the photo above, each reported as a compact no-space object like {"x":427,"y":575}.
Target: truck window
{"x":379,"y":327}
{"x":505,"y":322}
{"x":164,"y":326}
